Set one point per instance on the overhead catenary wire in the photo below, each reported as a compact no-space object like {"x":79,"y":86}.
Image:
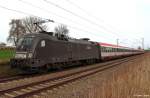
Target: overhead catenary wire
{"x":81,"y":17}
{"x":38,"y":7}
{"x":96,"y":35}
{"x":21,"y":12}
{"x":86,"y":12}
{"x":26,"y":13}
{"x":90,"y":14}
{"x":41,"y":8}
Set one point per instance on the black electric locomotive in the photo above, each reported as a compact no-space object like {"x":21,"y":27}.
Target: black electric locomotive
{"x":43,"y":50}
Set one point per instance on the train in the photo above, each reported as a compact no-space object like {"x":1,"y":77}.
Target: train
{"x":43,"y":50}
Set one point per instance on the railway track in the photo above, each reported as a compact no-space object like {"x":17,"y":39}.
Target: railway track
{"x":10,"y":78}
{"x":31,"y":86}
{"x":16,"y":77}
{"x":21,"y":76}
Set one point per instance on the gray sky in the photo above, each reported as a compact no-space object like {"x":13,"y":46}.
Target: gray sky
{"x":108,"y":20}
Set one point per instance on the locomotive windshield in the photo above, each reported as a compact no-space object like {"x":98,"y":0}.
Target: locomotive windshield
{"x":25,"y":43}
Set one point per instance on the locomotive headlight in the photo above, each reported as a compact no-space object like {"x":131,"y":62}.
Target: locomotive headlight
{"x":19,"y":55}
{"x":30,"y":55}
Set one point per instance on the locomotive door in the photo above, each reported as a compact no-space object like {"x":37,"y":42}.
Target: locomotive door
{"x":70,"y":51}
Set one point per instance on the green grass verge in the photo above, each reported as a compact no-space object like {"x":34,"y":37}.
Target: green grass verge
{"x":6,"y":54}
{"x":5,"y":69}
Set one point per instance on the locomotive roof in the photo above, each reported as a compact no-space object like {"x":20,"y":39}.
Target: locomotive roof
{"x":55,"y":38}
{"x":75,"y":40}
{"x":35,"y":34}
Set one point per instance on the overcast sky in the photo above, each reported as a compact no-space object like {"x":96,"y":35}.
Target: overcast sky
{"x":99,"y":20}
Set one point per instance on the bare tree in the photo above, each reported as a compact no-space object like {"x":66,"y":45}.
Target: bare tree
{"x":20,"y":27}
{"x":61,"y":30}
{"x":17,"y":30}
{"x":30,"y":27}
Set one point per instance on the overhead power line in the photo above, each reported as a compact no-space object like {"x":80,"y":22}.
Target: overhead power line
{"x":86,"y":12}
{"x":21,"y":12}
{"x":41,"y":8}
{"x":81,"y":17}
{"x":86,"y":31}
{"x":38,"y":7}
{"x":79,"y":7}
{"x":89,"y":14}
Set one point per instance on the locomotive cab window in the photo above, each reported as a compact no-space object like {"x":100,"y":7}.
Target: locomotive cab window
{"x":25,"y":43}
{"x":43,"y":43}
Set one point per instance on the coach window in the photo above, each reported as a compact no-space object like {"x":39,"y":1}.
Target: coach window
{"x":107,"y":49}
{"x":43,"y":43}
{"x":102,"y":49}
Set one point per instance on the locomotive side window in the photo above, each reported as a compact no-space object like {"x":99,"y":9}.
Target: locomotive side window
{"x":25,"y":43}
{"x":43,"y":43}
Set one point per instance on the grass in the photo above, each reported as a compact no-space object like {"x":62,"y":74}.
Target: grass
{"x":6,"y":54}
{"x":5,"y":69}
{"x":130,"y":80}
